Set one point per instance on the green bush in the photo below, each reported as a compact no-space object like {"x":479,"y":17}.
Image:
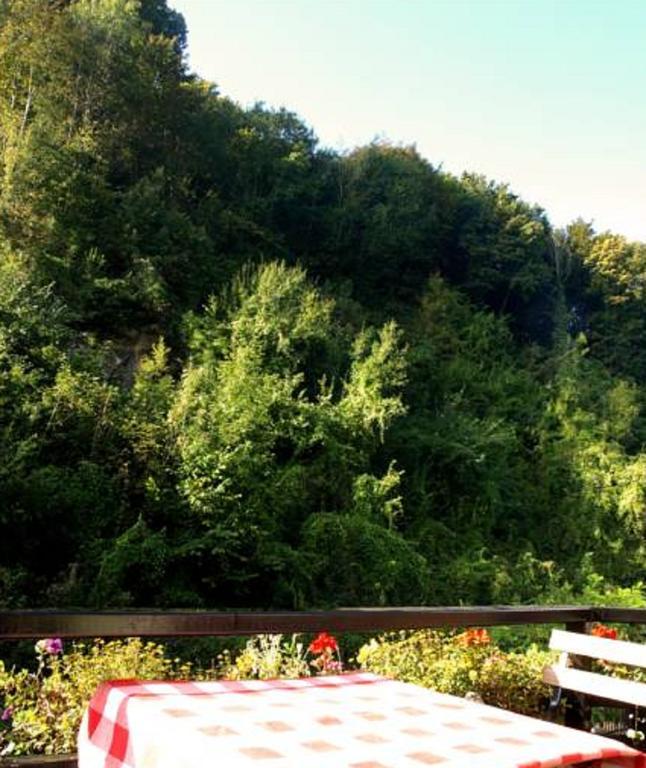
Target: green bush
{"x":42,"y":710}
{"x":265,"y":657}
{"x":469,"y":662}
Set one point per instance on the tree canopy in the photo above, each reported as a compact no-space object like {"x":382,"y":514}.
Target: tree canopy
{"x":240,"y":369}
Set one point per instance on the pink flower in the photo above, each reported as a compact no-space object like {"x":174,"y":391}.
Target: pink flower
{"x":333,"y":667}
{"x":51,"y":645}
{"x":54,"y":645}
{"x":6,"y":714}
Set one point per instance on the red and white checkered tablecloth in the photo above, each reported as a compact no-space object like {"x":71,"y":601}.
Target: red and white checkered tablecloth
{"x":346,"y":721}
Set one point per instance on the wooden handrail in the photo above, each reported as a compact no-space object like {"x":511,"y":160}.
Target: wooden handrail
{"x":621,"y":615}
{"x":16,"y":625}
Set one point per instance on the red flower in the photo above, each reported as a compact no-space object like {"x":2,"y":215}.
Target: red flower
{"x":600,"y":630}
{"x":474,"y":637}
{"x":323,"y":643}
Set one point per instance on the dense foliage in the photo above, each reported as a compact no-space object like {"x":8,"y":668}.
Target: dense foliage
{"x":239,"y":369}
{"x":469,"y":663}
{"x":41,"y":710}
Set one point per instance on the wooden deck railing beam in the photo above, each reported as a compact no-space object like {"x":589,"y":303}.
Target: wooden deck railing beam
{"x":16,"y":625}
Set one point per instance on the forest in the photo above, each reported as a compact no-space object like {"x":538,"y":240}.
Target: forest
{"x":240,"y":369}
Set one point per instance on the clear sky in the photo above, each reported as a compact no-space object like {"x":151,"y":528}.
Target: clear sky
{"x":548,"y":95}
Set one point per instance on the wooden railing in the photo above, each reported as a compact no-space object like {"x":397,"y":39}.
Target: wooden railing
{"x":20,"y":625}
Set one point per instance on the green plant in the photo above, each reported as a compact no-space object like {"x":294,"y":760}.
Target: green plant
{"x":45,"y":707}
{"x":460,"y":664}
{"x":265,"y":657}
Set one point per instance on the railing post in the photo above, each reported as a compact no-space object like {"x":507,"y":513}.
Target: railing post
{"x":578,"y":711}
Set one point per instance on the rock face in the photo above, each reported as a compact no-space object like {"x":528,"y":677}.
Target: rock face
{"x":128,"y":352}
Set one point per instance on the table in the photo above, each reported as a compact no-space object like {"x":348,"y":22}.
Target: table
{"x":345,"y":721}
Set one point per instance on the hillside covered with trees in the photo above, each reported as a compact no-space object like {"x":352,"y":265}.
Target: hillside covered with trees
{"x":240,"y":369}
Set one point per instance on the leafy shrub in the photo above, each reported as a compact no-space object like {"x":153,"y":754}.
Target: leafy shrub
{"x":265,"y":657}
{"x":460,"y":664}
{"x":361,"y":563}
{"x":591,"y":589}
{"x":42,"y":710}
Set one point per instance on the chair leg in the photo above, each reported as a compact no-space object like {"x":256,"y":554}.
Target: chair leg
{"x":577,"y":712}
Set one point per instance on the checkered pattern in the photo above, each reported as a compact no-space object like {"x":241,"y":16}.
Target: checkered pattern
{"x":346,"y":721}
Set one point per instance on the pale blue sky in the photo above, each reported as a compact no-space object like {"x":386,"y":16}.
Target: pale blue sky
{"x":548,"y":95}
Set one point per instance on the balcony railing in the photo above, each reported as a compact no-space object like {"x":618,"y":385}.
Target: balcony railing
{"x":20,"y":625}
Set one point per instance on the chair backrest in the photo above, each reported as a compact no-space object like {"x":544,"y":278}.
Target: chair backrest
{"x":591,"y":683}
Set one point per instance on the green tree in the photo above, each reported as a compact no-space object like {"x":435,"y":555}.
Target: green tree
{"x":588,"y":471}
{"x":503,"y":245}
{"x":385,"y":232}
{"x":260,"y":440}
{"x":616,"y":301}
{"x":464,"y":443}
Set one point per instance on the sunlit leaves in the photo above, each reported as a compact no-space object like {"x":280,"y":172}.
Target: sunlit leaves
{"x":259,"y":445}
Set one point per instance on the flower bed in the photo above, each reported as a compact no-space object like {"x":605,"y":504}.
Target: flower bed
{"x":41,"y":710}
